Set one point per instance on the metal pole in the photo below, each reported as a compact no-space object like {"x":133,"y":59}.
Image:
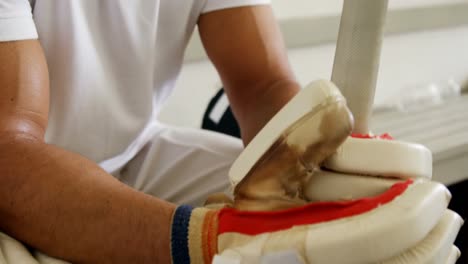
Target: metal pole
{"x":357,"y":56}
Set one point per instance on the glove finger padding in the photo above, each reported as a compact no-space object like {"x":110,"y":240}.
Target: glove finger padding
{"x":271,"y":172}
{"x":437,"y":246}
{"x":367,"y":166}
{"x":454,"y":255}
{"x":367,"y":230}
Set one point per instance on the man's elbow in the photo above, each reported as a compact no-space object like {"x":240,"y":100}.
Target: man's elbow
{"x":22,"y":125}
{"x":19,"y":138}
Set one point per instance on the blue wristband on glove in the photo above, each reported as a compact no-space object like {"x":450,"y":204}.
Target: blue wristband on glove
{"x":179,"y":234}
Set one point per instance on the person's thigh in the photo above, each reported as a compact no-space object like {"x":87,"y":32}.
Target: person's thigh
{"x":183,"y":165}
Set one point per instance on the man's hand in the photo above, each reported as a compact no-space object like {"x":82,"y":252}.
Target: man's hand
{"x":275,"y":210}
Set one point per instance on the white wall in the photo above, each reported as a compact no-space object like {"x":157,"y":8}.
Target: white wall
{"x":407,"y":60}
{"x":285,"y":9}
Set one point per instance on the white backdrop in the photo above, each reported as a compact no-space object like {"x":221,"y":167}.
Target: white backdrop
{"x":408,"y":60}
{"x":304,"y":8}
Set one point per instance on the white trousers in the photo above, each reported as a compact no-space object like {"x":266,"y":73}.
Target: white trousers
{"x":180,"y":165}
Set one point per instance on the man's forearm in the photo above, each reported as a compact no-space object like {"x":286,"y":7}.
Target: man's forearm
{"x":57,"y":201}
{"x":68,"y":207}
{"x":246,"y":46}
{"x":253,"y":113}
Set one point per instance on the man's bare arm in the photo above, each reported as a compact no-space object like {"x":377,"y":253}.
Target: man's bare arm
{"x":57,"y":201}
{"x":246,"y":46}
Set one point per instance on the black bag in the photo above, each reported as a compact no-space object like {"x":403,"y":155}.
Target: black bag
{"x":227,"y":123}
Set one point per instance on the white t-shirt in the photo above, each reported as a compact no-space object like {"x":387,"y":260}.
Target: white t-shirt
{"x":112,"y":64}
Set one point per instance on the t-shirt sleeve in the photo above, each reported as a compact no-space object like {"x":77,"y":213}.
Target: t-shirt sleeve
{"x":212,"y":5}
{"x":16,"y":22}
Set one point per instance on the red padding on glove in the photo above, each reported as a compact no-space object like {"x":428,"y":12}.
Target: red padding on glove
{"x":254,"y":223}
{"x":368,"y":136}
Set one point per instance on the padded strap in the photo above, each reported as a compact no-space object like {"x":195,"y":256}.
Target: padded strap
{"x":332,"y":186}
{"x":381,"y":157}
